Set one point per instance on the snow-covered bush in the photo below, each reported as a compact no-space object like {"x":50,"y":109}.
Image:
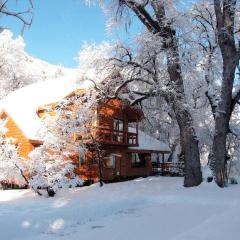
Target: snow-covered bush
{"x":11,"y":165}
{"x":50,"y":169}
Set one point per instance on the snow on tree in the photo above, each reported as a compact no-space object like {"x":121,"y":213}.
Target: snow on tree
{"x":50,"y":166}
{"x":218,"y":30}
{"x":76,"y":116}
{"x":12,"y":52}
{"x":12,"y":166}
{"x":153,"y":62}
{"x":73,"y":130}
{"x":18,"y":68}
{"x":21,"y":13}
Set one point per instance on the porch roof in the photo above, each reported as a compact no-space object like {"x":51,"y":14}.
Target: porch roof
{"x":149,"y":144}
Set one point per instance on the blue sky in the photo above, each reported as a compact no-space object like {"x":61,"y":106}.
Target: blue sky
{"x":59,"y":29}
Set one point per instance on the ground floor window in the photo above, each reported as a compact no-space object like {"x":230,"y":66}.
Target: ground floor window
{"x":109,"y":161}
{"x":138,"y":160}
{"x":160,"y":158}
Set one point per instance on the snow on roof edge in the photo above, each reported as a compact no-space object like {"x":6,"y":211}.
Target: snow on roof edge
{"x":22,"y":104}
{"x":149,"y":143}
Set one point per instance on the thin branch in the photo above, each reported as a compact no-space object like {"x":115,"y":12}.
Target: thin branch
{"x":20,"y":15}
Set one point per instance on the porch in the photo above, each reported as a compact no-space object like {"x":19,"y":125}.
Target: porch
{"x":168,"y":168}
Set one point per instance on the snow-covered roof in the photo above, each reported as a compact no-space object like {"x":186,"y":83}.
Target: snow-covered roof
{"x":22,"y":104}
{"x":149,"y":143}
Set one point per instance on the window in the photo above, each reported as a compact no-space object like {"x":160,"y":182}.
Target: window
{"x":109,"y":161}
{"x":138,"y":160}
{"x":118,"y":130}
{"x":118,"y":125}
{"x":132,"y":127}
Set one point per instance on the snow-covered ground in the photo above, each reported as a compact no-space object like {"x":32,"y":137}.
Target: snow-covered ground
{"x":149,"y":208}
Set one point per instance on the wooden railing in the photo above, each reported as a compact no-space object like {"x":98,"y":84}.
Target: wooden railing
{"x":110,"y":136}
{"x":168,"y":168}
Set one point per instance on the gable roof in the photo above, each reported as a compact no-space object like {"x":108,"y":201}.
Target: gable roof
{"x":22,"y":104}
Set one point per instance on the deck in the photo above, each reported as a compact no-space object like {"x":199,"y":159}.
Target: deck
{"x":168,"y":169}
{"x":115,"y":137}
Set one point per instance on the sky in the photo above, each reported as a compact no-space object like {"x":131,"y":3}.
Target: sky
{"x":59,"y":29}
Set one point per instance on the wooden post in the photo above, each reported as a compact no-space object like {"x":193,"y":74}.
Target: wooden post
{"x":137,"y":133}
{"x":125,"y":130}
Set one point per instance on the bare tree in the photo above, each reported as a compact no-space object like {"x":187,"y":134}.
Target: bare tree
{"x":152,"y":14}
{"x":24,"y":16}
{"x":223,"y":22}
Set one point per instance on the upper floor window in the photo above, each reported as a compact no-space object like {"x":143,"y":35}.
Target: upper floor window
{"x":118,"y":124}
{"x":132,"y":127}
{"x":118,"y":130}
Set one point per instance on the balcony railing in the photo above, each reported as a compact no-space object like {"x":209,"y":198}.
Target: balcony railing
{"x":168,"y":168}
{"x":115,"y":137}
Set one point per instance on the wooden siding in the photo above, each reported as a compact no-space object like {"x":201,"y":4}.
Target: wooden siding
{"x":103,"y":131}
{"x":23,"y":143}
{"x":123,"y":168}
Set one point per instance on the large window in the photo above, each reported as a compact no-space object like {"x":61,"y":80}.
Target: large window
{"x":138,"y":160}
{"x":109,"y":161}
{"x":118,"y":130}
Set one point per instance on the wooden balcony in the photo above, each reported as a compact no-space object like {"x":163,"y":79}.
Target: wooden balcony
{"x":115,"y":137}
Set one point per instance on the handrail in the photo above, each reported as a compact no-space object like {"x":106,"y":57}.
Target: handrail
{"x":125,"y":137}
{"x":113,"y":130}
{"x":176,"y":168}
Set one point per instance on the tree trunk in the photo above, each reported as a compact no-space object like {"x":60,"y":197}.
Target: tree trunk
{"x":189,"y":146}
{"x":162,"y":27}
{"x":225,"y":26}
{"x":188,"y":139}
{"x":218,"y":155}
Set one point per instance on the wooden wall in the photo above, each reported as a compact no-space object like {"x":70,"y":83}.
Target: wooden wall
{"x":23,"y":143}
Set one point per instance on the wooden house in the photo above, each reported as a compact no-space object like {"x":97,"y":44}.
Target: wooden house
{"x":19,"y":138}
{"x":128,"y":151}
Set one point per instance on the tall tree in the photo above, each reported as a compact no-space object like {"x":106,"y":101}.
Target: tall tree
{"x":219,"y":23}
{"x":159,"y":24}
{"x":225,"y":12}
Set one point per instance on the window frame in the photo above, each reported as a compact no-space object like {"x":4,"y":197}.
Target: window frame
{"x":140,"y":163}
{"x":118,"y":120}
{"x":118,"y":133}
{"x":110,"y":157}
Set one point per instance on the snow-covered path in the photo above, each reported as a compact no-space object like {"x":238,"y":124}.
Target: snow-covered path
{"x":150,"y":208}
